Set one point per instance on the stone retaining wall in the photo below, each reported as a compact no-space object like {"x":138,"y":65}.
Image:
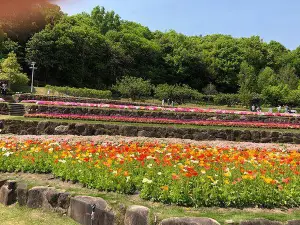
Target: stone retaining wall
{"x":157,"y":114}
{"x":4,"y":109}
{"x":61,"y":128}
{"x":88,"y":210}
{"x":20,"y":97}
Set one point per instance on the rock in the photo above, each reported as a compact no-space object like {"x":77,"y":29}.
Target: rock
{"x":2,"y":182}
{"x":137,"y":215}
{"x":63,"y":200}
{"x":287,"y":138}
{"x":231,"y":222}
{"x":260,"y":222}
{"x":52,"y":197}
{"x":189,"y":221}
{"x":22,"y":194}
{"x":42,"y":125}
{"x":246,"y":135}
{"x":36,"y":197}
{"x":80,"y":210}
{"x":31,"y":130}
{"x":8,"y":194}
{"x":80,"y":128}
{"x":143,"y":133}
{"x":293,"y":222}
{"x":61,"y":129}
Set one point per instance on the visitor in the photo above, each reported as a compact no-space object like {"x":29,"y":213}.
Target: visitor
{"x":271,"y":110}
{"x":4,"y":87}
{"x":163,"y":102}
{"x":258,"y":109}
{"x":253,"y":108}
{"x":279,"y":108}
{"x":286,"y":109}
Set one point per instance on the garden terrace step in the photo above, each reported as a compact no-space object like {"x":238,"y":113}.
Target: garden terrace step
{"x":16,"y":109}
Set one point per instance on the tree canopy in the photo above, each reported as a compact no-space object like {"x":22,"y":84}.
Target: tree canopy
{"x":97,"y":49}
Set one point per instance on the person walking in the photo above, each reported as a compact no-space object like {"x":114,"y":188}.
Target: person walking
{"x":279,"y":108}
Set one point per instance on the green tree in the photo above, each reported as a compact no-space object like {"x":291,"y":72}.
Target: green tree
{"x":11,"y":70}
{"x":133,"y":87}
{"x":275,"y":95}
{"x":288,"y":76}
{"x":247,"y":83}
{"x":267,"y":77}
{"x":105,"y":21}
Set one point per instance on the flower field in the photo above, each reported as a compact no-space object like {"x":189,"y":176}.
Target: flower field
{"x":225,"y":123}
{"x":157,"y":108}
{"x":181,"y":173}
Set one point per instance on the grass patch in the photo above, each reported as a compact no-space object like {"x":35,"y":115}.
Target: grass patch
{"x":22,"y":215}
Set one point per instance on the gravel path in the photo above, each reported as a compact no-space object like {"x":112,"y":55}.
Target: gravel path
{"x":105,"y":138}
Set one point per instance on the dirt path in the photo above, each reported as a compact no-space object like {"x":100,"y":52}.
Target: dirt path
{"x":105,"y":138}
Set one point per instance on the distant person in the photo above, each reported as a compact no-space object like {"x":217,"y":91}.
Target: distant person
{"x":286,"y":109}
{"x":4,"y":88}
{"x":279,"y":108}
{"x":163,"y":102}
{"x":258,"y":109}
{"x":253,"y":108}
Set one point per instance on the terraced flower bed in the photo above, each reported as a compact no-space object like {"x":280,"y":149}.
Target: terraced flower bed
{"x":157,"y":108}
{"x":46,"y":109}
{"x":184,"y":174}
{"x":223,"y":123}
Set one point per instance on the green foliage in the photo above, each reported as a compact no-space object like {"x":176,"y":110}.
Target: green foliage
{"x":247,"y":83}
{"x":293,"y":98}
{"x":267,"y":77}
{"x":105,"y":21}
{"x":274,"y":95}
{"x":11,"y":71}
{"x":81,"y":92}
{"x":178,"y":93}
{"x":227,"y":99}
{"x":210,"y":89}
{"x":287,"y":75}
{"x":133,"y":87}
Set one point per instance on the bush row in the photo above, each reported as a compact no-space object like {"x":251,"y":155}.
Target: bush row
{"x":21,"y":97}
{"x":81,"y":92}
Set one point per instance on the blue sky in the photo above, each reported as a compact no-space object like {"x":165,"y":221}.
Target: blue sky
{"x":277,"y":20}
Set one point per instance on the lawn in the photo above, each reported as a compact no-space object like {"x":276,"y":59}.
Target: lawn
{"x":15,"y":215}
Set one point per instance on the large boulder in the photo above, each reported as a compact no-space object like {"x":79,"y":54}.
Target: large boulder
{"x":137,"y":215}
{"x":61,"y":129}
{"x":189,"y":221}
{"x":22,"y":194}
{"x":8,"y":194}
{"x":37,"y":197}
{"x":81,"y":208}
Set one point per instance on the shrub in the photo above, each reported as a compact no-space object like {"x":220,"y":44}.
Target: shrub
{"x":81,"y":92}
{"x":177,"y":93}
{"x":133,"y":87}
{"x":227,"y":99}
